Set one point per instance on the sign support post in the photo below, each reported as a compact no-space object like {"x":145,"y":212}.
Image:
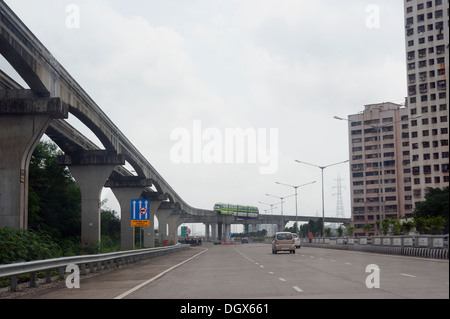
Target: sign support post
{"x":140,"y":215}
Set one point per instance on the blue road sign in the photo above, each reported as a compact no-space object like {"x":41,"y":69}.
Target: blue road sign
{"x":140,"y":213}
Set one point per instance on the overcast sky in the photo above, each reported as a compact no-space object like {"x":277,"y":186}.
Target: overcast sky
{"x":291,"y":65}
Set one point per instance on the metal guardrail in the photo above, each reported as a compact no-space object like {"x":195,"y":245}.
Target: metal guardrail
{"x":108,"y":260}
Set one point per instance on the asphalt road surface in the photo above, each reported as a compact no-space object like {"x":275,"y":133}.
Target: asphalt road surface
{"x":252,"y":271}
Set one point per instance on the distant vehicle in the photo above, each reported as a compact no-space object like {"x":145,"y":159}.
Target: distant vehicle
{"x":283,"y":241}
{"x":237,"y":211}
{"x":298,"y":243}
{"x":244,"y":240}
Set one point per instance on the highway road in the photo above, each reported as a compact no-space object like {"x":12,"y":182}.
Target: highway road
{"x":252,"y":271}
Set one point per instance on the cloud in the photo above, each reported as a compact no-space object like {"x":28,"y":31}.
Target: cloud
{"x":154,"y":66}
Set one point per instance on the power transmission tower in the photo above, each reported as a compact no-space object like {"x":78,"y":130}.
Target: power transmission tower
{"x":340,"y":204}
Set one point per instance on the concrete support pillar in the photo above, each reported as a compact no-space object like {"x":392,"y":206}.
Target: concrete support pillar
{"x":246,"y":227}
{"x":207,"y":233}
{"x":91,"y":170}
{"x":163,"y":216}
{"x":149,"y":232}
{"x":214,"y":231}
{"x":125,"y":189}
{"x":227,"y":233}
{"x":23,"y":121}
{"x":279,"y":227}
{"x":123,"y":196}
{"x":174,"y":221}
{"x":220,"y":231}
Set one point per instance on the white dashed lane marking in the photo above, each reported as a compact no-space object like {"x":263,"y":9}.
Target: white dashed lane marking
{"x":296,"y":288}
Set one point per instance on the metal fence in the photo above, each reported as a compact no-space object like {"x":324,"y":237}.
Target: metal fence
{"x":92,"y":262}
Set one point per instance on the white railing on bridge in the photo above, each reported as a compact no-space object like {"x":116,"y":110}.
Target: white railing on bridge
{"x":420,"y":241}
{"x":430,"y":246}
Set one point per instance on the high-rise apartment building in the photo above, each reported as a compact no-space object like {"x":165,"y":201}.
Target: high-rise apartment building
{"x":427,"y":58}
{"x":397,"y":153}
{"x":380,"y":174}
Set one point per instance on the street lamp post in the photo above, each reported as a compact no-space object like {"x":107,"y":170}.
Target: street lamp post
{"x":295,"y":187}
{"x":281,"y":203}
{"x":323,"y":200}
{"x":271,"y":211}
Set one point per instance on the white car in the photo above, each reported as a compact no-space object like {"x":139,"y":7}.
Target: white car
{"x":297,"y":240}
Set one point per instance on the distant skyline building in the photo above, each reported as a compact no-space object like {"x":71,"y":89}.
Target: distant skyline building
{"x":427,"y":59}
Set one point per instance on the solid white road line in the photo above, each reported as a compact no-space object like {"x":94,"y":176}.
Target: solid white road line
{"x":126,"y":293}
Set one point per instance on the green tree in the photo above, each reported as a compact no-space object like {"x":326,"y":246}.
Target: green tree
{"x":436,"y":204}
{"x":328,"y":232}
{"x":304,"y":229}
{"x":26,"y":245}
{"x":367,"y":227}
{"x":54,"y":197}
{"x":315,"y":227}
{"x":437,"y":224}
{"x":350,"y":230}
{"x":386,"y":226}
{"x":406,"y":226}
{"x":395,"y":226}
{"x":110,"y":229}
{"x":421,"y":225}
{"x":340,"y":231}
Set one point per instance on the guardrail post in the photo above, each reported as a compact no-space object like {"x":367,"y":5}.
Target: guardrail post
{"x":13,"y":283}
{"x":83,"y":269}
{"x":32,"y":279}
{"x":48,"y":276}
{"x":61,"y":273}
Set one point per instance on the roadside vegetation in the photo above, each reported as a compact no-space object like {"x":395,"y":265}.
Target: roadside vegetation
{"x":54,"y":215}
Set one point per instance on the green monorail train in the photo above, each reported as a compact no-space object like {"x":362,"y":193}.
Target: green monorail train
{"x":237,"y":211}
